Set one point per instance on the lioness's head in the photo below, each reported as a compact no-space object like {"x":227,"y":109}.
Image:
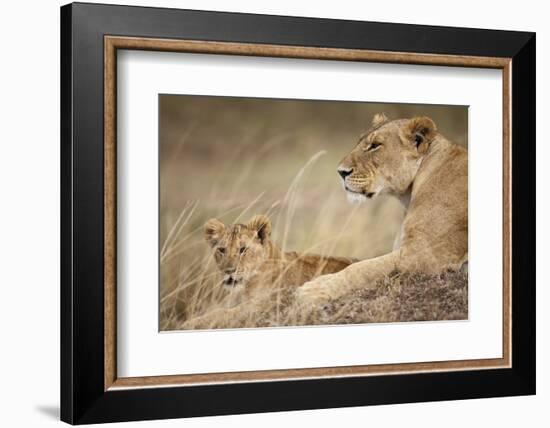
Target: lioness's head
{"x":239,"y":249}
{"x":386,"y":157}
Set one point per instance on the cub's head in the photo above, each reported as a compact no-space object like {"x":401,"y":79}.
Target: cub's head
{"x":239,"y":249}
{"x":386,"y":157}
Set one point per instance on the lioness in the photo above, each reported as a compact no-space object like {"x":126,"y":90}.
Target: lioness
{"x":250,"y":261}
{"x":410,"y":159}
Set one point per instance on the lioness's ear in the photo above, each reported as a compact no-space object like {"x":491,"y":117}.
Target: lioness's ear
{"x":262,"y":225}
{"x":421,"y":131}
{"x":213,"y":228}
{"x":379,"y":119}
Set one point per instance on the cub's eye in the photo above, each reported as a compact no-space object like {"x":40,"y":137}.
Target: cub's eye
{"x":242,"y":250}
{"x":373,"y":146}
{"x":220,"y":250}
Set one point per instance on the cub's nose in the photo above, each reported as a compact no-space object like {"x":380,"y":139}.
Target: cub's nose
{"x":230,"y":270}
{"x":344,"y":172}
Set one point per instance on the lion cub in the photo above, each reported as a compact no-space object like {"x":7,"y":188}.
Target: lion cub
{"x":250,"y":261}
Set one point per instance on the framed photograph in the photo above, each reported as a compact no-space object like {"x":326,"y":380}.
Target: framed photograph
{"x":265,"y":213}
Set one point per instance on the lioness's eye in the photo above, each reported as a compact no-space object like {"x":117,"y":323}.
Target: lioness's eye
{"x":242,"y":250}
{"x":221,"y":250}
{"x":373,"y":146}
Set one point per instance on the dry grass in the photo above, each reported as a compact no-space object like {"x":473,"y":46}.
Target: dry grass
{"x":233,"y":158}
{"x":398,"y":298}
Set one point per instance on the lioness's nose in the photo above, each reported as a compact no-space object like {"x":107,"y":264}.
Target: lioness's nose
{"x":344,"y":172}
{"x":230,"y":270}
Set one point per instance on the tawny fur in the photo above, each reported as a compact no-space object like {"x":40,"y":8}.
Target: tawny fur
{"x":410,"y":159}
{"x":251,"y":262}
{"x":255,"y":269}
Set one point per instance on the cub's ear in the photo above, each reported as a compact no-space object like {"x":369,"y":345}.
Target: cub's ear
{"x":378,"y":120}
{"x":213,"y":229}
{"x":262,"y":225}
{"x":421,"y":131}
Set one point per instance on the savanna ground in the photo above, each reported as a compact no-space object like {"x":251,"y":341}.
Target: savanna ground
{"x":231,"y":158}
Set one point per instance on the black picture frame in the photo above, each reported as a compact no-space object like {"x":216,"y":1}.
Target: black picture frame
{"x":83,"y":398}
